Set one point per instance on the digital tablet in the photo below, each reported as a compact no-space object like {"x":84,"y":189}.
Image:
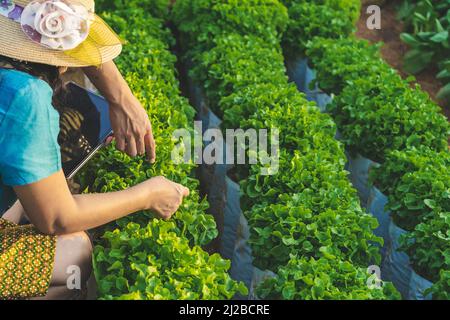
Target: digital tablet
{"x":84,"y":126}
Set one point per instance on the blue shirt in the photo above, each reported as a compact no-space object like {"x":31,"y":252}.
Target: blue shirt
{"x":29,"y":127}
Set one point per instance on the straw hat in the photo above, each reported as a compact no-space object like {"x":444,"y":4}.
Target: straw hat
{"x":14,"y":43}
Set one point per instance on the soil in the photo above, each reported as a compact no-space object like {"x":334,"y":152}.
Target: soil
{"x":394,"y":49}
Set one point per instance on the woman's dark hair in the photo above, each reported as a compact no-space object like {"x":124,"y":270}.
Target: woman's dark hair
{"x":48,"y":73}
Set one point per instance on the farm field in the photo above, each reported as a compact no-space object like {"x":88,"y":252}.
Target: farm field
{"x":350,"y":199}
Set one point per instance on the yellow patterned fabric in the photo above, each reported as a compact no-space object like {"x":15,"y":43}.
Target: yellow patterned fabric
{"x":26,"y":261}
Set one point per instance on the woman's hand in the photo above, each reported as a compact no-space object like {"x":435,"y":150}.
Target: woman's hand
{"x":130,"y":123}
{"x":132,"y":128}
{"x":163,"y":196}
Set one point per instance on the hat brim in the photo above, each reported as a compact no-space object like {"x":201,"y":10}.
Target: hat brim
{"x":15,"y":44}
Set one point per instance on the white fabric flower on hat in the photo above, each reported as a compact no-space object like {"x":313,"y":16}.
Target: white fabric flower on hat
{"x":56,"y":24}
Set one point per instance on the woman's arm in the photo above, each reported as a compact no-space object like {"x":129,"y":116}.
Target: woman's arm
{"x":130,"y":123}
{"x":54,"y":210}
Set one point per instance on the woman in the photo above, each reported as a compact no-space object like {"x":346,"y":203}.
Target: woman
{"x":39,"y":40}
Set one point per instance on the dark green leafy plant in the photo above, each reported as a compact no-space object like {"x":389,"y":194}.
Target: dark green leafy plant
{"x":381,"y":113}
{"x":297,"y":171}
{"x":248,"y":102}
{"x":349,"y":9}
{"x":441,"y":289}
{"x":428,"y":27}
{"x":236,"y":62}
{"x":428,"y":245}
{"x":324,"y":18}
{"x":157,"y":8}
{"x":340,"y":61}
{"x":417,"y":183}
{"x":418,"y":194}
{"x":323,"y":279}
{"x":306,"y":224}
{"x":201,"y":21}
{"x":399,"y":162}
{"x":266,"y":105}
{"x":154,"y":263}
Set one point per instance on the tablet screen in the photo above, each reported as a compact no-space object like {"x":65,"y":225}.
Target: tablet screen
{"x":84,"y":126}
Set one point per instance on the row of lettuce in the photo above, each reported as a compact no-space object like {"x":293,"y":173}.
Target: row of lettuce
{"x":390,"y":121}
{"x":306,"y":223}
{"x":139,"y":257}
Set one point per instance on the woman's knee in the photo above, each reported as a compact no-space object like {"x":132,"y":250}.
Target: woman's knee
{"x":73,"y":254}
